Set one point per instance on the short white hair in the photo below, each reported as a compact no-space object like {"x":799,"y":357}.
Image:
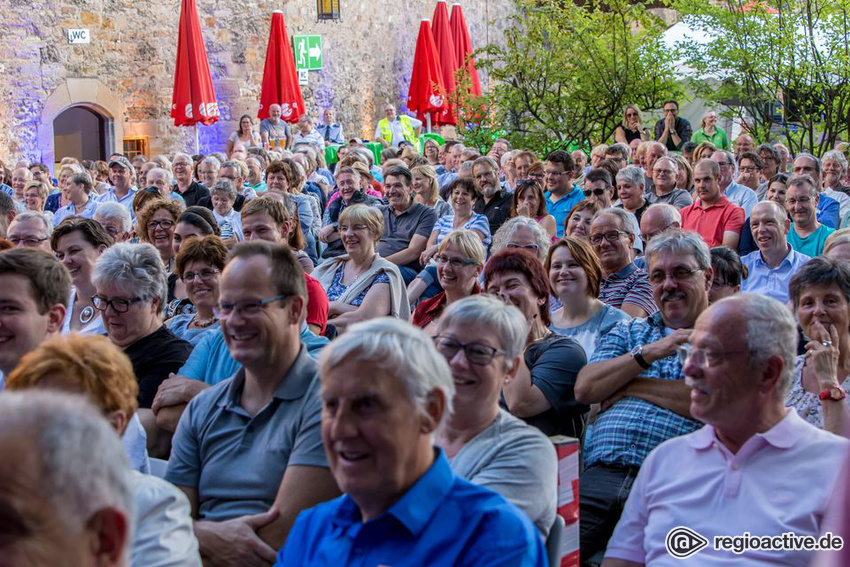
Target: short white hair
{"x":506,"y":233}
{"x":668,"y":212}
{"x":137,"y":268}
{"x":507,"y":323}
{"x":83,"y":467}
{"x":624,"y":217}
{"x":770,"y":331}
{"x":399,"y":349}
{"x":169,"y":178}
{"x":112,"y":210}
{"x":181,"y":154}
{"x":48,"y":226}
{"x":213,"y":161}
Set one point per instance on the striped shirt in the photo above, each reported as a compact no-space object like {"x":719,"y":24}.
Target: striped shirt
{"x":477,"y":222}
{"x":628,"y":286}
{"x":625,"y":433}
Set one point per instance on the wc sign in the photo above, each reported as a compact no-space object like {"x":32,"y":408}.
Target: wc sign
{"x":79,"y":36}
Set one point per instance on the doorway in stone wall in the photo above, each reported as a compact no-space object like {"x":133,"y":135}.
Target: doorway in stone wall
{"x":81,"y":133}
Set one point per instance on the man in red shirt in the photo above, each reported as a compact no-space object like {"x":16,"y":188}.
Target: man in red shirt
{"x":713,"y":216}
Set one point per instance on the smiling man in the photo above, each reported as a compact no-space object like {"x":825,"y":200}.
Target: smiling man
{"x":716,"y":219}
{"x":248,"y":451}
{"x":495,"y":203}
{"x":635,"y":375}
{"x":724,"y":479}
{"x":121,"y":175}
{"x":807,"y":235}
{"x":385,"y":391}
{"x":34,"y":288}
{"x":772,"y":266}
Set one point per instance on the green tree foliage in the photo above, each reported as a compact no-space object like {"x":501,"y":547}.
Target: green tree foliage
{"x":785,"y":56}
{"x":566,"y":71}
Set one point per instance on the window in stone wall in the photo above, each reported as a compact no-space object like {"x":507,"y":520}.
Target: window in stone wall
{"x":328,"y":10}
{"x":136,"y":147}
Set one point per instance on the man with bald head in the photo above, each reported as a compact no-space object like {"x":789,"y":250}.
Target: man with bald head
{"x":274,"y":132}
{"x":755,"y":467}
{"x":775,"y":262}
{"x":744,"y":143}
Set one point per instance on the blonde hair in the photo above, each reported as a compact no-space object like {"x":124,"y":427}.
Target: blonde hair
{"x":631,"y":107}
{"x":468,"y":244}
{"x":91,"y":363}
{"x":366,"y":215}
{"x":430,"y":175}
{"x":836,"y":238}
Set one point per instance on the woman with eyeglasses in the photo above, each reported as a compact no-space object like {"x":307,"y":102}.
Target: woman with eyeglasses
{"x":130,"y":280}
{"x":35,"y":195}
{"x":575,"y":275}
{"x":463,"y":194}
{"x":194,"y":222}
{"x":360,"y":284}
{"x":522,"y":233}
{"x":78,"y":243}
{"x":543,"y":392}
{"x":460,"y":259}
{"x":728,"y":273}
{"x":156,"y":223}
{"x":199,"y":264}
{"x":483,"y":340}
{"x":631,"y":128}
{"x":820,"y":294}
{"x":529,"y":201}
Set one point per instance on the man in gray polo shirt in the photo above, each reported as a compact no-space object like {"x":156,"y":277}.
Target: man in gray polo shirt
{"x":248,"y":452}
{"x":407,"y":224}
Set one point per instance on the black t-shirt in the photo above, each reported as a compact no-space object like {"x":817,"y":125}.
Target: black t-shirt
{"x":555,"y":362}
{"x":153,"y":358}
{"x":497,"y":211}
{"x":193,"y":194}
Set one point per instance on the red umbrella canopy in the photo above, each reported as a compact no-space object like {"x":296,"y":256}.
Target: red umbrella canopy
{"x":427,"y":93}
{"x":193,"y":100}
{"x":463,"y":48}
{"x":280,"y":80}
{"x":446,"y":51}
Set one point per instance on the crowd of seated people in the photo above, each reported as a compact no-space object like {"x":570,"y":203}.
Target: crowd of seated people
{"x":257,"y":357}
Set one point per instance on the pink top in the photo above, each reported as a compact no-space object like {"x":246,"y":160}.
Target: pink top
{"x":779,"y":481}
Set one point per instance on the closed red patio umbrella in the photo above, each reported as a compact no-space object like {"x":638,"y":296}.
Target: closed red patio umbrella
{"x":463,"y":48}
{"x":193,"y":101}
{"x":446,"y":51}
{"x":280,"y":80}
{"x":427,"y":94}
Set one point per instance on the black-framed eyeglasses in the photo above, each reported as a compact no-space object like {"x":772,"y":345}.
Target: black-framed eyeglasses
{"x":29,"y":242}
{"x":163,"y":224}
{"x":455,"y":263}
{"x":599,"y":191}
{"x":678,"y":274}
{"x":205,"y":275}
{"x":610,"y":236}
{"x":475,"y":353}
{"x":248,"y":308}
{"x":118,"y":304}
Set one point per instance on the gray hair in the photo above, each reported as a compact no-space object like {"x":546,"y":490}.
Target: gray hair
{"x":668,"y":212}
{"x":769,"y":148}
{"x":731,"y":157}
{"x":136,"y":268}
{"x":83,"y":179}
{"x":169,"y":178}
{"x":466,"y":167}
{"x":624,"y":217}
{"x":805,"y":179}
{"x":112,"y":210}
{"x":835,"y":155}
{"x":27,"y":215}
{"x":181,"y":154}
{"x":370,"y":158}
{"x":506,"y":323}
{"x":399,"y":349}
{"x":211,"y":160}
{"x":506,"y":233}
{"x":506,"y":157}
{"x":679,"y":242}
{"x":669,"y":160}
{"x":349,"y":170}
{"x":620,"y":148}
{"x":770,"y":331}
{"x":818,"y":163}
{"x":83,"y":467}
{"x":487,"y":161}
{"x":226,"y":186}
{"x":632,"y":174}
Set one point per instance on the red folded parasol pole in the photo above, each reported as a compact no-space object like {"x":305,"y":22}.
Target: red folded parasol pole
{"x":427,"y":94}
{"x":463,"y":48}
{"x":280,"y":79}
{"x":448,"y":62}
{"x":193,"y":101}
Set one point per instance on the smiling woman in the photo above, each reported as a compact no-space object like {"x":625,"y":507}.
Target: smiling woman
{"x":156,"y":223}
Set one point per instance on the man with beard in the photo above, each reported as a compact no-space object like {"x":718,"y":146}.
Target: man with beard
{"x":496,"y":202}
{"x":637,"y":378}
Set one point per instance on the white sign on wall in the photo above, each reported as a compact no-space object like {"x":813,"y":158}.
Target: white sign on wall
{"x":302,"y":77}
{"x":79,"y":36}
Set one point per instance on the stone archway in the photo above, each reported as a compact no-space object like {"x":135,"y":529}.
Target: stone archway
{"x":87,"y":93}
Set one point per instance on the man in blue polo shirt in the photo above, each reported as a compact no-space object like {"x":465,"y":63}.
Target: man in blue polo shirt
{"x":385,"y":391}
{"x":561,"y":194}
{"x":771,"y":267}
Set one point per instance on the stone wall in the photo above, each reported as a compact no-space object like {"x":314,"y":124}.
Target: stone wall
{"x":126,"y":72}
